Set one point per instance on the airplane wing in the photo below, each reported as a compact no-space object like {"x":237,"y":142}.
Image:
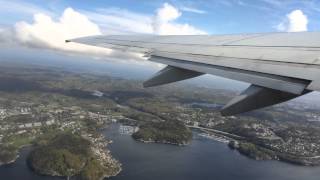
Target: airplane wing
{"x":279,"y":66}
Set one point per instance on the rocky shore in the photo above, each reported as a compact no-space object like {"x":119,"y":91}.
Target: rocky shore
{"x":99,"y":148}
{"x":9,"y":161}
{"x":9,"y":154}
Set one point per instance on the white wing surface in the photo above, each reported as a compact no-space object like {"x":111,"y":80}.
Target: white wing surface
{"x":280,"y":66}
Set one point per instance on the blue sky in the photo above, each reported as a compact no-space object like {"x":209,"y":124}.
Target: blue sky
{"x":211,"y":16}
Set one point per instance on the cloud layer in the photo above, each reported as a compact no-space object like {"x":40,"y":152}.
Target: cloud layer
{"x":164,"y":24}
{"x":48,"y":32}
{"x":296,"y":21}
{"x":192,"y":10}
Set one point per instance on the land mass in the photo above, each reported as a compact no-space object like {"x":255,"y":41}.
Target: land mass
{"x":35,"y":101}
{"x":8,"y":154}
{"x":168,"y":132}
{"x":67,"y":154}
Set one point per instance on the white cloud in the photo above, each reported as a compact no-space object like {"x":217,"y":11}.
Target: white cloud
{"x":120,"y":21}
{"x":3,"y":35}
{"x":193,"y":10}
{"x":46,"y":31}
{"x":163,"y":17}
{"x":7,"y":36}
{"x":276,"y":3}
{"x":163,"y":22}
{"x":226,"y":3}
{"x":296,"y":21}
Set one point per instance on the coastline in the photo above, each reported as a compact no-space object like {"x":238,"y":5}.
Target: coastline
{"x":216,"y":137}
{"x":104,"y":155}
{"x":134,"y":156}
{"x":261,"y":153}
{"x":16,"y":157}
{"x":162,"y":142}
{"x":10,"y":162}
{"x":99,"y":148}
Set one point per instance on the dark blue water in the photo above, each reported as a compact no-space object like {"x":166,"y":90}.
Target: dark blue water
{"x":202,"y":159}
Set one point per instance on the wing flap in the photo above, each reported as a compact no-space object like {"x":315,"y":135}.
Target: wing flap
{"x":170,"y":74}
{"x":290,"y":85}
{"x":256,"y":97}
{"x":293,"y":70}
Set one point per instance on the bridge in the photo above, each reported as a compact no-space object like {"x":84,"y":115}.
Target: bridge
{"x":233,"y":136}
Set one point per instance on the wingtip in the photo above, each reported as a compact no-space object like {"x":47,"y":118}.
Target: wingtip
{"x":67,"y":41}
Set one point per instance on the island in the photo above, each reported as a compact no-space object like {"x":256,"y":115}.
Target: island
{"x":67,"y":154}
{"x":168,"y":132}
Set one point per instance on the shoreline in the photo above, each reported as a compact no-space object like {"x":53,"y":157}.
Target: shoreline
{"x":99,"y":148}
{"x":287,"y":158}
{"x":131,"y":165}
{"x":162,"y":142}
{"x":222,"y":137}
{"x":17,"y":156}
{"x":10,"y":162}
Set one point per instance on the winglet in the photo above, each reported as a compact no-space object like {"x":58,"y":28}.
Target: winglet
{"x":67,"y":41}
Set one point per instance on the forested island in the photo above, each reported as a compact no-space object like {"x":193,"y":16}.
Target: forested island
{"x":67,"y":154}
{"x":168,"y":132}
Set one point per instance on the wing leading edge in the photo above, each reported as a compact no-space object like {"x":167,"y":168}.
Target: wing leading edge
{"x":280,"y":66}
